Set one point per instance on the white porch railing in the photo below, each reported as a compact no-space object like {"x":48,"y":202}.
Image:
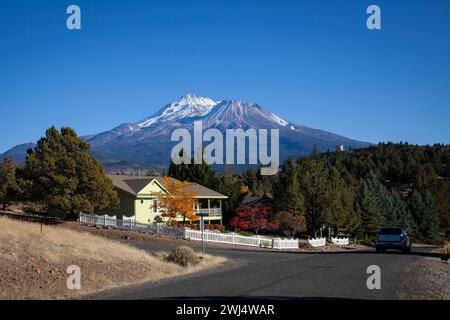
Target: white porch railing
{"x":340,"y":241}
{"x":229,"y":238}
{"x":318,"y":242}
{"x":213,"y":212}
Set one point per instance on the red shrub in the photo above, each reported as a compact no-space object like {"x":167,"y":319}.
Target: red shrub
{"x":254,"y":217}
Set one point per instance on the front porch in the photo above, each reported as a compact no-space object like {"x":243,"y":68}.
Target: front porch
{"x":211,"y":207}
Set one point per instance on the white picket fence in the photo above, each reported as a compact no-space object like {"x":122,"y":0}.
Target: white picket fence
{"x":107,"y":221}
{"x":232,"y":238}
{"x":281,"y":244}
{"x":222,"y":238}
{"x":340,"y":241}
{"x":130,"y":224}
{"x":186,"y":233}
{"x":317,"y":242}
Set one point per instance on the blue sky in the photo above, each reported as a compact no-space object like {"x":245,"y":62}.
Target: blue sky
{"x":311,"y":62}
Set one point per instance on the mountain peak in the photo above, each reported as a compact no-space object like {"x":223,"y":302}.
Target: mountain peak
{"x":238,"y":104}
{"x":189,"y":96}
{"x":240,"y":107}
{"x":191,"y":106}
{"x":244,"y":113}
{"x":188,"y":106}
{"x":193,"y":100}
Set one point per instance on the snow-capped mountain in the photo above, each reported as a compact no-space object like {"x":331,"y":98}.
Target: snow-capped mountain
{"x":241,"y":114}
{"x":187,"y":106}
{"x":147,"y":142}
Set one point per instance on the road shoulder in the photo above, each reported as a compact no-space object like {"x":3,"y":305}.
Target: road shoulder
{"x":425,"y":279}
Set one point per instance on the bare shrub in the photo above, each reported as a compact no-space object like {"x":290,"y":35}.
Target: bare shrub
{"x":183,"y":256}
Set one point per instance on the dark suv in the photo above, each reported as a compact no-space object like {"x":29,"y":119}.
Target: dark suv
{"x":393,"y":238}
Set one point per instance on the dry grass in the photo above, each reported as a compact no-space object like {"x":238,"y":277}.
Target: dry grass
{"x":33,"y":264}
{"x":23,"y":239}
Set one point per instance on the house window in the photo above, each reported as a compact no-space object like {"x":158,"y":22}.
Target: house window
{"x":142,"y":201}
{"x":155,"y":206}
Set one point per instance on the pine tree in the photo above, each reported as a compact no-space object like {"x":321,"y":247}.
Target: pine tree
{"x":423,"y":210}
{"x":66,"y":177}
{"x":8,"y":183}
{"x":179,"y":171}
{"x":233,"y":188}
{"x":315,"y":188}
{"x":370,"y":206}
{"x":199,"y":173}
{"x":287,"y":191}
{"x":340,"y":214}
{"x":203,"y":174}
{"x":398,"y":214}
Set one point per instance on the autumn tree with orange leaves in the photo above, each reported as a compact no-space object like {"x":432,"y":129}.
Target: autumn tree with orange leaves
{"x":178,"y":200}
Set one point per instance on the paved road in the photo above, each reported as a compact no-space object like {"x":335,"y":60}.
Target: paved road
{"x":280,"y":275}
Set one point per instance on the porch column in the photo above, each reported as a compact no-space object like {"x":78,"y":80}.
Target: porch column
{"x":221,"y":214}
{"x":209,"y":207}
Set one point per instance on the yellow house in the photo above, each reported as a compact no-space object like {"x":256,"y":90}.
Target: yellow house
{"x":137,"y":199}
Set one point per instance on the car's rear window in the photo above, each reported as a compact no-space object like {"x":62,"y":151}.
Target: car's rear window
{"x":391,"y":231}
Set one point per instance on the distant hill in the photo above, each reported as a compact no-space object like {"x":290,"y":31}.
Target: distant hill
{"x":19,"y":152}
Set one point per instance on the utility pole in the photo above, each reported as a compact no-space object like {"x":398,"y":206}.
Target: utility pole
{"x":202,"y":228}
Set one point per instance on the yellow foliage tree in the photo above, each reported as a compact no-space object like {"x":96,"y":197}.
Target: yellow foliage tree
{"x":244,"y":189}
{"x":179,"y":199}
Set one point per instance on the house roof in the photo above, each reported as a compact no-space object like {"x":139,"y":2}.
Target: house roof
{"x":257,"y":199}
{"x":134,"y":184}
